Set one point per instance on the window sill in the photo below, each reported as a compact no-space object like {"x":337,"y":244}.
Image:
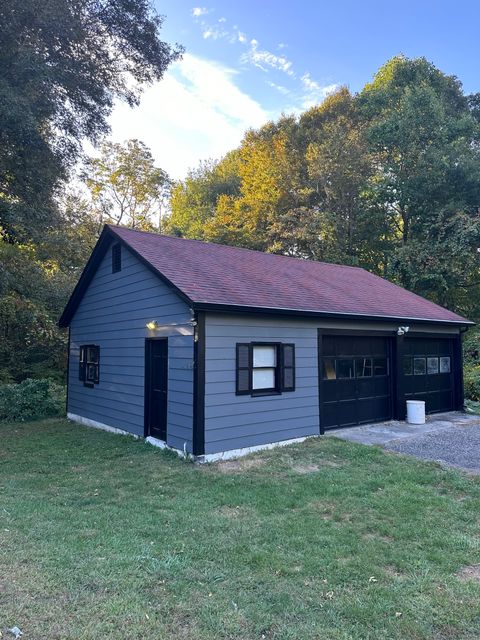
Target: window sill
{"x":265,"y":392}
{"x":90,"y":385}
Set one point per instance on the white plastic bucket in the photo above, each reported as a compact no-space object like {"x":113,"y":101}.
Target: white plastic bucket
{"x":416,"y":411}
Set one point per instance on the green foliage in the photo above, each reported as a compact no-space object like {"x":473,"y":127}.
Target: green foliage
{"x":63,"y":63}
{"x":388,"y":179}
{"x":30,"y":400}
{"x":471,"y":381}
{"x":126,"y":186}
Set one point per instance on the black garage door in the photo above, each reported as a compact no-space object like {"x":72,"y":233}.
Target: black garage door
{"x":428,"y":372}
{"x":355,"y":384}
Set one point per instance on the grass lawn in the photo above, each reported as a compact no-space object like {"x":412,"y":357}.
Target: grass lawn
{"x":103,"y":536}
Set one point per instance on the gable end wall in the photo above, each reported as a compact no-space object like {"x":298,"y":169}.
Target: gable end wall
{"x":113,"y":314}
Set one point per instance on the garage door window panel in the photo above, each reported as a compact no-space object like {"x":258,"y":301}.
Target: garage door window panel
{"x":364,"y":367}
{"x":345,"y":368}
{"x":419,"y":366}
{"x":444,"y":365}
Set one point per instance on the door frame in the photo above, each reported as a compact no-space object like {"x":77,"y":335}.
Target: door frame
{"x":146,"y":392}
{"x":359,"y":333}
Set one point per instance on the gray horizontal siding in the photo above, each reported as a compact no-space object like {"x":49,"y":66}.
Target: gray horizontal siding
{"x":113,"y":314}
{"x":235,"y":422}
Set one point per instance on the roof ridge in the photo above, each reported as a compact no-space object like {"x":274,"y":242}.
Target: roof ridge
{"x":229,"y":246}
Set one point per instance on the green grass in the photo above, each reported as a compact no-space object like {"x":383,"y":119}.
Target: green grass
{"x":103,"y":536}
{"x":472,"y":406}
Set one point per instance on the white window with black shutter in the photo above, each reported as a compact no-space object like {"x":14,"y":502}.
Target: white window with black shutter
{"x":89,"y":365}
{"x":265,"y":368}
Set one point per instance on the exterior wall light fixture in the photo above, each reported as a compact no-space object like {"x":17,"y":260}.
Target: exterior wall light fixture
{"x":402,"y":331}
{"x":152,"y":325}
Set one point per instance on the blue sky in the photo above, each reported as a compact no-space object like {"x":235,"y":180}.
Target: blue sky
{"x":247,"y":62}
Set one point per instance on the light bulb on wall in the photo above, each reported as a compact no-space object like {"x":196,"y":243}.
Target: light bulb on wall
{"x":153,"y":324}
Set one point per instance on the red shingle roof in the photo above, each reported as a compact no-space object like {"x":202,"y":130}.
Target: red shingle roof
{"x":223,"y":275}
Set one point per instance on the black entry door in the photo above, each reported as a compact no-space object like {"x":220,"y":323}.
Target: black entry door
{"x":428,"y":372}
{"x":355,"y":384}
{"x":156,"y":378}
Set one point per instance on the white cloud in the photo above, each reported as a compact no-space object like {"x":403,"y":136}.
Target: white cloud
{"x":241,"y":37}
{"x":315,"y":92}
{"x":195,"y":112}
{"x":214,"y":33}
{"x":308,"y":83}
{"x":222,"y":19}
{"x":264,"y":59}
{"x":199,"y":11}
{"x":280,"y":88}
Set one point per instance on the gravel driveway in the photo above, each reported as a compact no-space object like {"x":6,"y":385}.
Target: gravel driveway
{"x":458,"y":446}
{"x":449,"y":438}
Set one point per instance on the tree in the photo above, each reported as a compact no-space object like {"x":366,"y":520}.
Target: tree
{"x":194,"y":200}
{"x":126,"y":186}
{"x":63,"y":63}
{"x":424,"y":138}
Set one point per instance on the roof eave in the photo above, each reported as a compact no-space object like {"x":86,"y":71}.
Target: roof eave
{"x":231,"y":308}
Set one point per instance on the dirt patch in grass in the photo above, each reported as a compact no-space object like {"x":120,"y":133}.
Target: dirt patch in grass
{"x":378,"y":537}
{"x":324,"y":508}
{"x":393,"y":572}
{"x":233,"y":513}
{"x":241,"y":464}
{"x":470,"y":572}
{"x":304,"y":469}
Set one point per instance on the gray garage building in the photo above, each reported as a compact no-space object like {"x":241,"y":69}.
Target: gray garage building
{"x":216,"y":350}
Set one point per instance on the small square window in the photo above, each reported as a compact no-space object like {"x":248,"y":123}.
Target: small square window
{"x":263,"y":379}
{"x":432,"y":366}
{"x":445,"y":364}
{"x":419,"y":366}
{"x":345,"y":368}
{"x":264,"y":356}
{"x":380,"y":366}
{"x":363,"y":367}
{"x":407,"y":366}
{"x":328,"y":366}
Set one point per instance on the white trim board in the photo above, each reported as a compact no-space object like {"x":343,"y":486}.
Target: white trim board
{"x":239,"y":453}
{"x":208,"y":457}
{"x":99,"y":425}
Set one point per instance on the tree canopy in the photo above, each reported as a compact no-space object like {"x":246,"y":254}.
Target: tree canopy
{"x":63,"y":63}
{"x":126,"y":186}
{"x":387,"y":179}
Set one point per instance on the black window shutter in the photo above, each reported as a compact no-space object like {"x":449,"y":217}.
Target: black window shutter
{"x":81,"y":365}
{"x":243,"y":368}
{"x":116,"y":258}
{"x":288,"y":367}
{"x":97,"y":368}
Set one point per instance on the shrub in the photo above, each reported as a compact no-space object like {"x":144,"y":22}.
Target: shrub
{"x":471,"y":381}
{"x":31,"y":399}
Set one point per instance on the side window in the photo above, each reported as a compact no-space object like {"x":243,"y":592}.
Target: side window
{"x":89,"y":365}
{"x":116,"y":258}
{"x":265,"y":368}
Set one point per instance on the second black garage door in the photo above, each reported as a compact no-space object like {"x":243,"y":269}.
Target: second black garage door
{"x":428,"y":372}
{"x":355,"y":385}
